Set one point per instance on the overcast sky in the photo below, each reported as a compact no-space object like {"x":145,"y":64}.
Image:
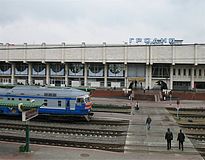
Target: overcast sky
{"x":98,"y":21}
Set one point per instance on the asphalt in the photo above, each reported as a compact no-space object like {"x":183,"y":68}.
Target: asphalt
{"x":141,"y":144}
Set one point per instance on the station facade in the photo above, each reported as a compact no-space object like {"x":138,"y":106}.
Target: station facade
{"x":180,"y":66}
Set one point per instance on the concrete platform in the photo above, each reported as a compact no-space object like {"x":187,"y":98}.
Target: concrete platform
{"x":140,"y":143}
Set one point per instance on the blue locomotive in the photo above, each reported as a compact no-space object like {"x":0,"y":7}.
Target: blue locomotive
{"x":56,"y":101}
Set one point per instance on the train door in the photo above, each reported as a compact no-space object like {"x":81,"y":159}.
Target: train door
{"x":71,"y":105}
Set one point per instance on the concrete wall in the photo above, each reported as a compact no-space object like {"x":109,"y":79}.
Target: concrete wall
{"x":179,"y":54}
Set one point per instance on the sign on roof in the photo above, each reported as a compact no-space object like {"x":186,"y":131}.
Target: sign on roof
{"x":154,"y":41}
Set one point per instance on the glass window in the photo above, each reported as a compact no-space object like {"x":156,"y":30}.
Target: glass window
{"x":199,"y":72}
{"x":39,"y":69}
{"x":59,"y":103}
{"x":95,"y":70}
{"x":184,"y":72}
{"x":87,"y":99}
{"x":76,"y":69}
{"x":189,"y":72}
{"x":21,"y":69}
{"x":45,"y":102}
{"x":179,"y":72}
{"x":194,"y":72}
{"x":161,"y":70}
{"x":116,"y":70}
{"x":174,"y":72}
{"x":80,"y":100}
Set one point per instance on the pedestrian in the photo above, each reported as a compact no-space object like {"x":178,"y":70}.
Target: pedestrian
{"x":178,"y":103}
{"x":137,"y":106}
{"x":181,"y":139}
{"x":169,"y":138}
{"x":148,"y":122}
{"x":132,"y":96}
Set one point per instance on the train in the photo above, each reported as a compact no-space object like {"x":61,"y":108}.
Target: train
{"x":56,"y":101}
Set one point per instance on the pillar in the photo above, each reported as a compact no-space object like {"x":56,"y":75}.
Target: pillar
{"x":12,"y":73}
{"x":126,"y":80}
{"x":146,"y":76}
{"x":192,"y":78}
{"x":66,"y":74}
{"x":150,"y":77}
{"x":85,"y":74}
{"x":47,"y":74}
{"x":29,"y":74}
{"x":105,"y":75}
{"x":171,"y":78}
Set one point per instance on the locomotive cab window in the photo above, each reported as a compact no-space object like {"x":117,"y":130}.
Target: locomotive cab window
{"x":80,"y":100}
{"x":87,"y":99}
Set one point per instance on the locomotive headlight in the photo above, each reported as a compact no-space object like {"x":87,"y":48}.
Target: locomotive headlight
{"x":20,"y":107}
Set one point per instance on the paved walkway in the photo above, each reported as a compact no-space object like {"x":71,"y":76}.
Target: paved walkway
{"x":152,"y":141}
{"x":140,"y":143}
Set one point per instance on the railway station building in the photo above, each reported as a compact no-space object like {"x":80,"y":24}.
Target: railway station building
{"x":180,"y":66}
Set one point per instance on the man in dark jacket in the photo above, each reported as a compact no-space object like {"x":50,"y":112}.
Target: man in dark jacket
{"x":169,"y":138}
{"x":181,"y":139}
{"x":148,"y":122}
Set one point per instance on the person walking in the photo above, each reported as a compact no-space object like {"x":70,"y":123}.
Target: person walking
{"x":169,"y":138}
{"x":137,"y":106}
{"x":181,"y":139}
{"x":148,"y":122}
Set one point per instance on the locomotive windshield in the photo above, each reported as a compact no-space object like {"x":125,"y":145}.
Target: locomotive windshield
{"x":80,"y":100}
{"x":87,"y":99}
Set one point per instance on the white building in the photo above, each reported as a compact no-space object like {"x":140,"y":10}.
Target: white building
{"x":181,"y":66}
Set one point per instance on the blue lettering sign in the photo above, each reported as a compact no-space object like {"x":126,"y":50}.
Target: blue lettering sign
{"x":152,"y":41}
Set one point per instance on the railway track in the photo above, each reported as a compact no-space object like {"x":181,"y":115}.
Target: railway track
{"x":68,"y":120}
{"x":104,"y":135}
{"x":192,"y":120}
{"x":63,"y":130}
{"x":59,"y":142}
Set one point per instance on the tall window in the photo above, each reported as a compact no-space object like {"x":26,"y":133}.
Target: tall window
{"x":95,"y":70}
{"x":161,"y":70}
{"x":39,"y":69}
{"x":199,"y":72}
{"x":76,"y":69}
{"x":194,"y":72}
{"x":174,"y":72}
{"x":179,"y":72}
{"x":189,"y":72}
{"x":116,"y":70}
{"x":184,"y":72}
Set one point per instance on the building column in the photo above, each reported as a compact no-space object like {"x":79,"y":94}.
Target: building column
{"x":150,"y":77}
{"x":192,"y":78}
{"x":66,"y":74}
{"x":29,"y":74}
{"x":105,"y":75}
{"x":126,"y":79}
{"x":146,"y":76}
{"x":171,"y":78}
{"x":47,"y":74}
{"x":85,"y":74}
{"x":13,"y":73}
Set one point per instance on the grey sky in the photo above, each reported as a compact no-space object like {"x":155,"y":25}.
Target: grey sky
{"x":97,"y":21}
